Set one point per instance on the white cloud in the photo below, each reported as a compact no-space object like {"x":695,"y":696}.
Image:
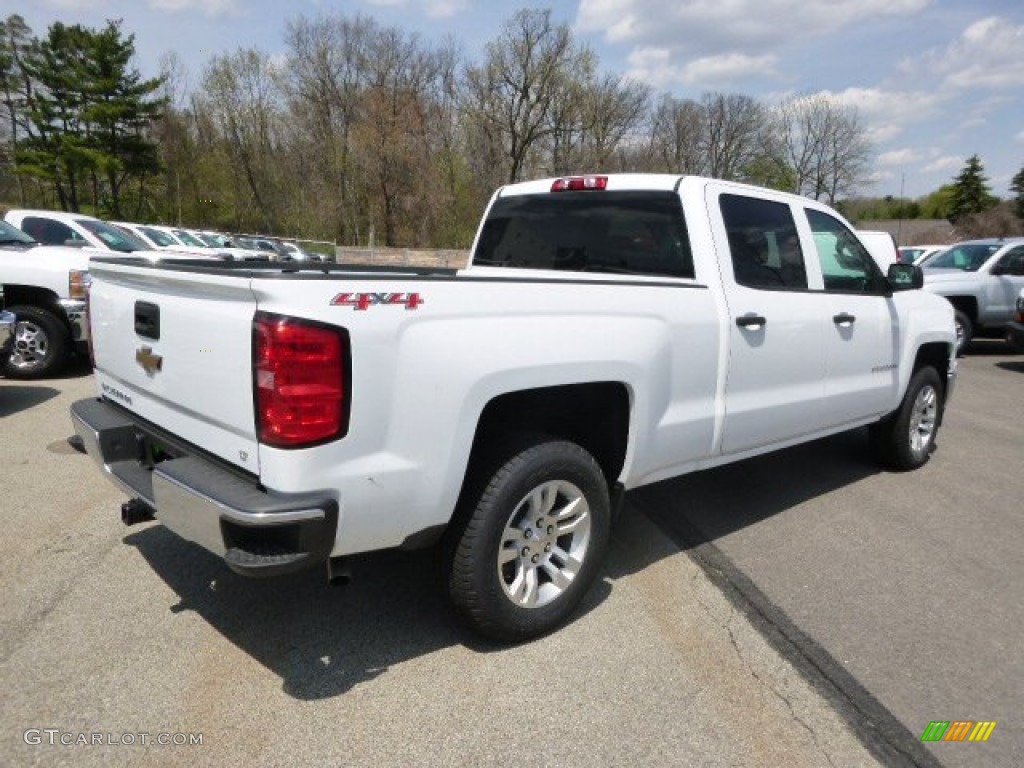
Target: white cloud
{"x":899,"y":157}
{"x":708,"y":26}
{"x":887,"y":113}
{"x":209,"y":7}
{"x":714,"y":70}
{"x":443,"y":9}
{"x":987,"y":55}
{"x":438,"y":9}
{"x":1019,"y":137}
{"x":879,"y":177}
{"x":73,"y":5}
{"x":654,"y":66}
{"x":945,"y":163}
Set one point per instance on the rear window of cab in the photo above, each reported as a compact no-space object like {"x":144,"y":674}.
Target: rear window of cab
{"x":620,"y":232}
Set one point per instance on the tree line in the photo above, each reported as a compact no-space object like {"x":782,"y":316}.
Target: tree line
{"x":363,"y":133}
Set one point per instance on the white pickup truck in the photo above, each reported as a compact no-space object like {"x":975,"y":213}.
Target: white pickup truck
{"x":44,"y":286}
{"x":611,"y":331}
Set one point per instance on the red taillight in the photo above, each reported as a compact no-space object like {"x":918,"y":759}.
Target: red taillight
{"x":579,"y":183}
{"x":299,"y":378}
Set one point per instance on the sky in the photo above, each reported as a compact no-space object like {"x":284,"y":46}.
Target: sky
{"x":934,"y":81}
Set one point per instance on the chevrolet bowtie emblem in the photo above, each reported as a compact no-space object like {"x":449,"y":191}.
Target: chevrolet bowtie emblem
{"x":150,"y":363}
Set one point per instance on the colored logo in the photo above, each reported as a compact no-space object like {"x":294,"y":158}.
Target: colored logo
{"x":363,"y":301}
{"x":958,"y":730}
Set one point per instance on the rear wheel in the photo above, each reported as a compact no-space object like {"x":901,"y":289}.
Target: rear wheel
{"x":906,"y":439}
{"x":531,"y":542}
{"x":40,"y":344}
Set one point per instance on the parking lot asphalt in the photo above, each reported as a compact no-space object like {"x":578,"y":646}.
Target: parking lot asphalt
{"x":804,"y":611}
{"x":904,"y":590}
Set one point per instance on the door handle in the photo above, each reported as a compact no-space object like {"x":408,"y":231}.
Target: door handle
{"x":844,"y":318}
{"x":751,"y":321}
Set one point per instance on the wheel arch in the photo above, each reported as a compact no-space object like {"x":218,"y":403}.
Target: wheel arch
{"x":32,"y":295}
{"x":966,"y":304}
{"x":594,"y":415}
{"x":935,"y":354}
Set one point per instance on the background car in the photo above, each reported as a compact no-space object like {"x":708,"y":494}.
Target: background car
{"x":982,"y":280}
{"x":882,"y":247}
{"x":917,"y":254}
{"x":270,"y":246}
{"x":160,"y":240}
{"x":298,"y":253}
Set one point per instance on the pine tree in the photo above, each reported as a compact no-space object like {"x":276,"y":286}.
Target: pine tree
{"x":971,"y":193}
{"x":88,"y":115}
{"x":15,"y":38}
{"x":1017,"y":187}
{"x":119,"y":110}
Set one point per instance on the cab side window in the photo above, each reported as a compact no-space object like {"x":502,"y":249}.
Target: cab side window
{"x":846,"y":265}
{"x":763,"y":243}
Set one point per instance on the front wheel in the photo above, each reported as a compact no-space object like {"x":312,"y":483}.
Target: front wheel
{"x":531,"y":541}
{"x":40,"y":344}
{"x":906,"y":438}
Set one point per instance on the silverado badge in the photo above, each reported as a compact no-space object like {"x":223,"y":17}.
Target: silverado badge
{"x":150,"y":363}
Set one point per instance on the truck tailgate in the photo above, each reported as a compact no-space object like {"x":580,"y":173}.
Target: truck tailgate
{"x":175,"y":348}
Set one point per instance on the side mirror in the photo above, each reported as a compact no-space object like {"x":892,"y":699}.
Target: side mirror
{"x":75,"y":243}
{"x":905,"y":277}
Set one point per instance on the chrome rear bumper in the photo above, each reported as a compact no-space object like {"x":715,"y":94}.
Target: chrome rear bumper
{"x":257,"y":532}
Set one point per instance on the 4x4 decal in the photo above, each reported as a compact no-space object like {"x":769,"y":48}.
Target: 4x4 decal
{"x":363,"y":301}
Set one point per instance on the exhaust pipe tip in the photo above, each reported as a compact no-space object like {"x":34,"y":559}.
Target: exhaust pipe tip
{"x":136,"y":511}
{"x":339,"y":571}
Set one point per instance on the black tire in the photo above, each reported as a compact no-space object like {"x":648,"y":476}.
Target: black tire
{"x":964,"y":332}
{"x":906,"y":438}
{"x":40,"y":344}
{"x":541,"y":478}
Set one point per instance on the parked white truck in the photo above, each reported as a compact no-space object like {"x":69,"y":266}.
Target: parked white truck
{"x":611,"y":331}
{"x":44,"y":287}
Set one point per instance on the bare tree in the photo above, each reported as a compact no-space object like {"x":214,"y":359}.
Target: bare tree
{"x":392,"y":133}
{"x":731,"y":136}
{"x":677,"y":142}
{"x":613,"y":110}
{"x":822,"y":143}
{"x":527,"y":71}
{"x":326,"y":75}
{"x":241,"y":97}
